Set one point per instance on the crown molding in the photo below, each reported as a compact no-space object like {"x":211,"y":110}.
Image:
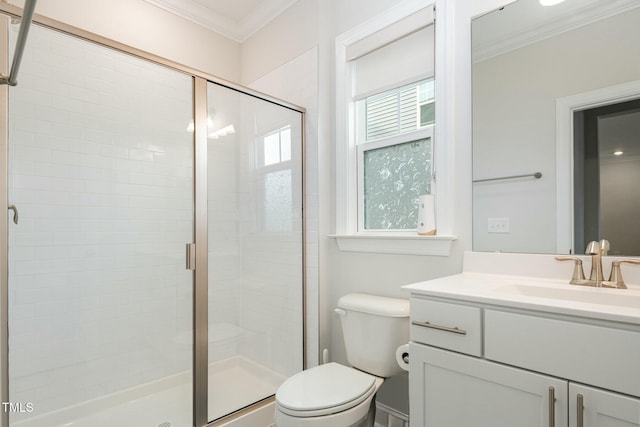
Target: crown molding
{"x":535,"y":33}
{"x":237,"y":30}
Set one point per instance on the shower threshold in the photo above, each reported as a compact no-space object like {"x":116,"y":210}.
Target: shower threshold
{"x":233,"y":384}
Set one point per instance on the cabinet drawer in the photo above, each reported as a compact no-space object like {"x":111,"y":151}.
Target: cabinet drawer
{"x":590,"y":354}
{"x":452,"y":326}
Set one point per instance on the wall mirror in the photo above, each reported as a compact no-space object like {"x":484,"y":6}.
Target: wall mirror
{"x":556,"y":126}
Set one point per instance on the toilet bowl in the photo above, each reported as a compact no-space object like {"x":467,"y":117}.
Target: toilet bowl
{"x":330,"y":395}
{"x":335,"y":395}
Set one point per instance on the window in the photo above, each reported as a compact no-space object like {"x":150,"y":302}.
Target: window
{"x":274,"y":155}
{"x":395,"y":155}
{"x":276,"y":146}
{"x":278,"y":199}
{"x":392,"y":49}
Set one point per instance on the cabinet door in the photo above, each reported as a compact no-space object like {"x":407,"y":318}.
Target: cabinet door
{"x":452,"y":390}
{"x":591,"y":407}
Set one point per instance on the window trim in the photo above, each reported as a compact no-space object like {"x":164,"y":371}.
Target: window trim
{"x":347,"y":236}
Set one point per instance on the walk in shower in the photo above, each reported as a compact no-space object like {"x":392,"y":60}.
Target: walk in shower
{"x":115,"y":163}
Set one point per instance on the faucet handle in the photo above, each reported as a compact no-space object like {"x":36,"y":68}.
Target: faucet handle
{"x":615,"y":279}
{"x":605,"y":246}
{"x":578,"y":272}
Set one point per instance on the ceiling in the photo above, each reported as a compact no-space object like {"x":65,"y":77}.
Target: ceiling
{"x":235,"y":19}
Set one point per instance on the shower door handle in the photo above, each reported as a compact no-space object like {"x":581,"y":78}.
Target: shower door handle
{"x":15,"y":213}
{"x":191,"y":256}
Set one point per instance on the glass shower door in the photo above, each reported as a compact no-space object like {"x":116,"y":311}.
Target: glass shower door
{"x":100,"y":302}
{"x":255,"y":248}
{"x":103,"y":173}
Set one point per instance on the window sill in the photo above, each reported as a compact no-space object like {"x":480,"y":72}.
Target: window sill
{"x":396,"y":243}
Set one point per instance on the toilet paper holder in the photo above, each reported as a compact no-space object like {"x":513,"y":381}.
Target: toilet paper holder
{"x":402,"y":357}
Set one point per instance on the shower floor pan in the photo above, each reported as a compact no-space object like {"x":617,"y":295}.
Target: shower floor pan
{"x":233,"y":384}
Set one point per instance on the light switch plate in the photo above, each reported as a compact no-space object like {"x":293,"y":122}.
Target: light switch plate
{"x":498,"y":225}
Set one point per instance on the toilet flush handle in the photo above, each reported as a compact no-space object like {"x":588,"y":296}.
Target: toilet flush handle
{"x":340,"y":311}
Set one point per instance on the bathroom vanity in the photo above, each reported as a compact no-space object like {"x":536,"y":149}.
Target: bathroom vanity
{"x":499,"y":350}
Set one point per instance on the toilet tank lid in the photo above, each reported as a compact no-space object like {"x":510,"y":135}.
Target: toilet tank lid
{"x":374,"y":304}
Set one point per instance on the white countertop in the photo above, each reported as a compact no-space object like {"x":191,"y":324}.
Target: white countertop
{"x":541,"y":294}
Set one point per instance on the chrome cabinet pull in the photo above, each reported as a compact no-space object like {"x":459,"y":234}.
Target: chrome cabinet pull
{"x":15,"y":213}
{"x":454,"y":330}
{"x":552,"y":407}
{"x":580,"y":409}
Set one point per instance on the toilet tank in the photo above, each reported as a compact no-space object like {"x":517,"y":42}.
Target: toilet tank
{"x":373,"y":327}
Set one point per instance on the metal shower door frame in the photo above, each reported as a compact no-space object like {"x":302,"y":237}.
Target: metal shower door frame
{"x":4,"y":225}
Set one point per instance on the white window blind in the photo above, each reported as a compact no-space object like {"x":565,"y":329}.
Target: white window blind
{"x":394,"y":64}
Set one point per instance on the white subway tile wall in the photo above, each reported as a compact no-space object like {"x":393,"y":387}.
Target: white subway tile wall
{"x":100,"y":168}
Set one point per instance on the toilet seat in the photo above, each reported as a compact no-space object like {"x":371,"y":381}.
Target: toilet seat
{"x":323,"y":390}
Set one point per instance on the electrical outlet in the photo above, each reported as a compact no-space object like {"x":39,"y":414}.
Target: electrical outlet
{"x":498,"y":225}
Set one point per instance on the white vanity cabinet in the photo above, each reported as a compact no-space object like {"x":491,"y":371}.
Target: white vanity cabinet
{"x":486,"y":365}
{"x":453,"y":390}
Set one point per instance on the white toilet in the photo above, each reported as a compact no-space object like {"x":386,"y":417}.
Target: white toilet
{"x":334,"y":395}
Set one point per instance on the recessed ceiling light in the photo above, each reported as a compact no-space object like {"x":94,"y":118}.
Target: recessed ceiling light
{"x":618,"y":153}
{"x":550,"y":2}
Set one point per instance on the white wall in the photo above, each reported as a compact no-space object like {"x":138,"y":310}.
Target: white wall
{"x":149,"y":28}
{"x":285,"y":38}
{"x":306,"y":24}
{"x":515,"y":130}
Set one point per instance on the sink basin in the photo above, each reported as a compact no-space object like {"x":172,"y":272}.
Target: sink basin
{"x":589,"y":295}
